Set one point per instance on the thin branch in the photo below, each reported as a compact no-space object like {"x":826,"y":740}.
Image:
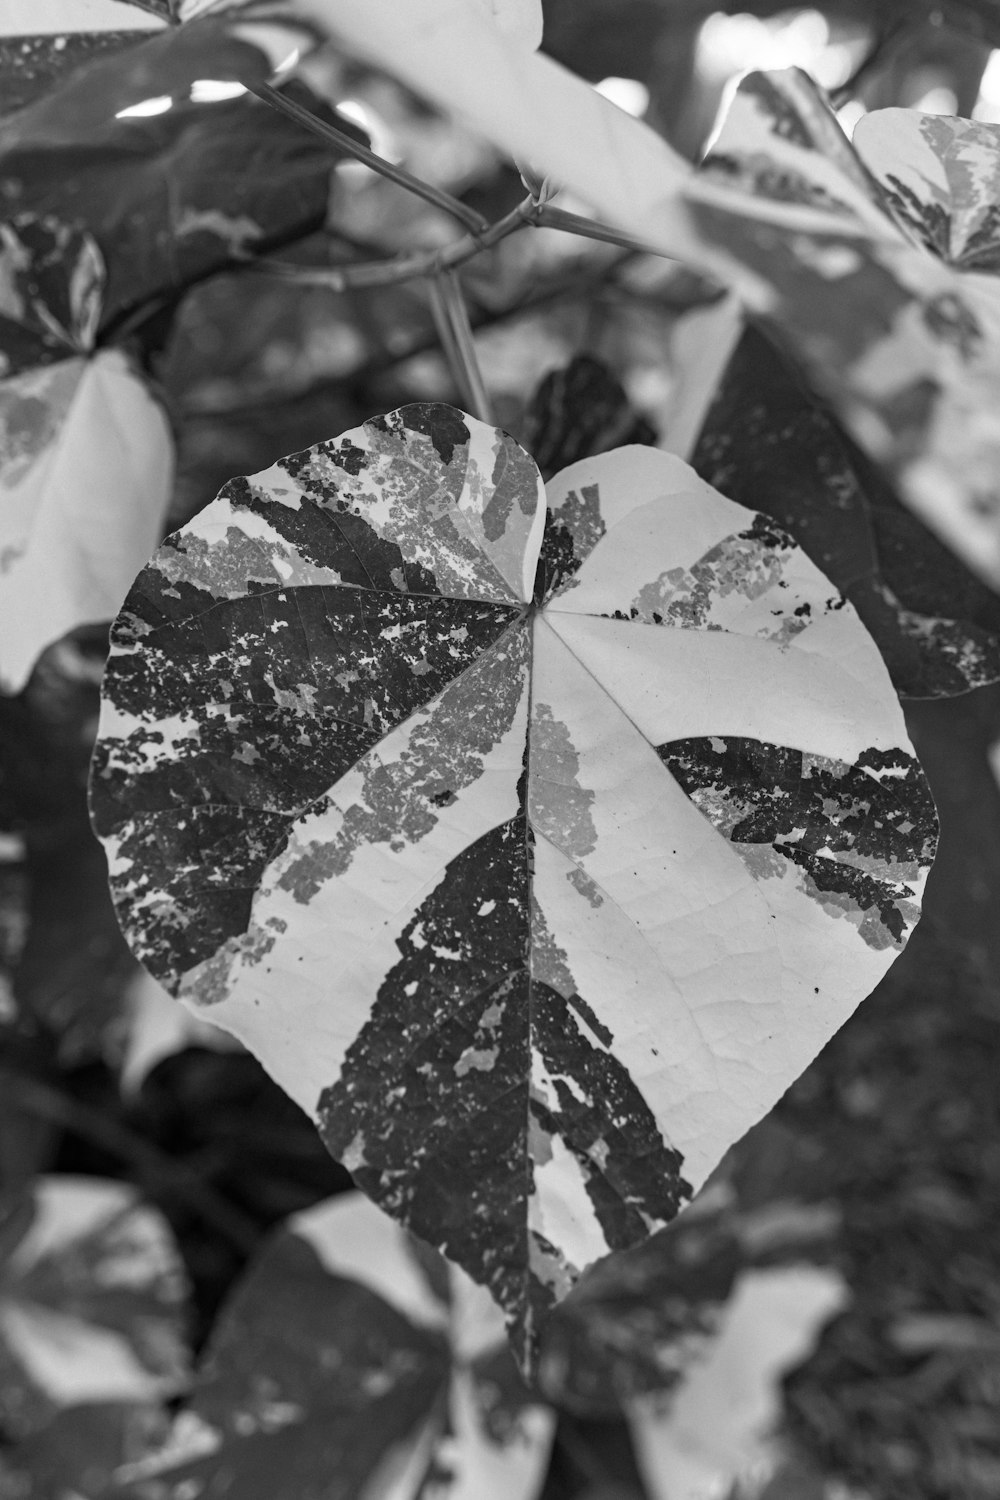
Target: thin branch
{"x":588,"y":282}
{"x":152,"y":1166}
{"x":451,"y":317}
{"x":374,"y":273}
{"x":550,"y":217}
{"x":473,"y":221}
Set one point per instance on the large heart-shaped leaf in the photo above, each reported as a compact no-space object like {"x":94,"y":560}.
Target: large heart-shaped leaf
{"x":41,"y":44}
{"x":86,"y":456}
{"x":536,"y":893}
{"x":351,"y":1361}
{"x":91,"y":1301}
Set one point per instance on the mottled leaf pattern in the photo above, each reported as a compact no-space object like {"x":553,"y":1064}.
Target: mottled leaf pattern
{"x":169,"y":196}
{"x":786,"y":213}
{"x":85,"y":451}
{"x":767,"y":443}
{"x":91,"y":1301}
{"x":906,"y":345}
{"x":351,"y":1356}
{"x":51,"y":283}
{"x":940,"y":177}
{"x":535,"y":869}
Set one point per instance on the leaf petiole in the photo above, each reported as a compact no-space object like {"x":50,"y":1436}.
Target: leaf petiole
{"x":451,"y":317}
{"x":474,"y":222}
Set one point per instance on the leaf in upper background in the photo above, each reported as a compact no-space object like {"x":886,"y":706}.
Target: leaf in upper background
{"x":92,"y":1300}
{"x":940,"y":177}
{"x":83,"y":110}
{"x":172,"y":196}
{"x":40,"y":44}
{"x":578,"y":411}
{"x":453,"y":53}
{"x":603,"y":944}
{"x":349,"y":1360}
{"x":86,"y":455}
{"x":904,"y":344}
{"x":768,"y":444}
{"x":717,"y":1427}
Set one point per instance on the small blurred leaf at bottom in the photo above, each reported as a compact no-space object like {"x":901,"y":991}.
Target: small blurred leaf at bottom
{"x":351,"y":1360}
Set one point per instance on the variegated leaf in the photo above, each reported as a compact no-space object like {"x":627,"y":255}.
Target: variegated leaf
{"x":940,"y":178}
{"x":768,"y":443}
{"x":51,"y":284}
{"x":718,"y":1428}
{"x":536,"y":887}
{"x":76,"y":1454}
{"x":349,"y":1361}
{"x":86,"y":457}
{"x":905,"y":345}
{"x":788,"y":216}
{"x":454,"y":53}
{"x":92,"y":1297}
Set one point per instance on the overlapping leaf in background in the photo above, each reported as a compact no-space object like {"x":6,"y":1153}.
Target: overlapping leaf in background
{"x":173,"y":195}
{"x":352,"y":1360}
{"x":907,"y":349}
{"x":534,"y":958}
{"x":904,"y":343}
{"x":91,"y":1302}
{"x":769,"y":444}
{"x":86,"y":456}
{"x":716,"y":1430}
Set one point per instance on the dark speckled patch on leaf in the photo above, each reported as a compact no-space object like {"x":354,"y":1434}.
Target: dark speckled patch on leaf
{"x":244,"y":712}
{"x":430,"y":1108}
{"x":859,"y":834}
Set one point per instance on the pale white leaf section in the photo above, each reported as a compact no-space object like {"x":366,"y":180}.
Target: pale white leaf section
{"x":355,"y":1240}
{"x":521,"y":20}
{"x":83,"y":511}
{"x":700,"y":349}
{"x":73,"y":1361}
{"x":64,"y":17}
{"x":718,"y":985}
{"x":674,"y":684}
{"x":158,"y":1028}
{"x":273,"y":993}
{"x":91,"y":1239}
{"x":719,"y":571}
{"x":68,"y":1209}
{"x":717,"y":1428}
